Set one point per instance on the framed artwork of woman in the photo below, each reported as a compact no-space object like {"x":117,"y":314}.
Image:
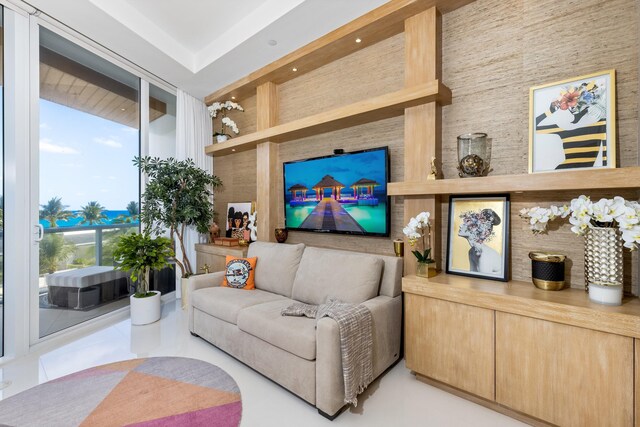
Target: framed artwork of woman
{"x":478,"y":236}
{"x":572,"y":124}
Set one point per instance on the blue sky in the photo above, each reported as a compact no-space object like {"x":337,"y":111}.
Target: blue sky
{"x":346,"y":169}
{"x":85,"y":157}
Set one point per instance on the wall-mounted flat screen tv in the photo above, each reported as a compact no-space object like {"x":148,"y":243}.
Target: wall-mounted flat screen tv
{"x":344,"y":193}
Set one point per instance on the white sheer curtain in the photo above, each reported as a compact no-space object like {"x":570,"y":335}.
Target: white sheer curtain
{"x":193,"y":133}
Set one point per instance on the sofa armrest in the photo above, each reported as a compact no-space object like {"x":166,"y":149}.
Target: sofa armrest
{"x":200,"y":281}
{"x":387,"y":330}
{"x":205,"y":281}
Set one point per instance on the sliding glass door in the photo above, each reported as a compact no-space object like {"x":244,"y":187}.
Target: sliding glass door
{"x":88,"y":193}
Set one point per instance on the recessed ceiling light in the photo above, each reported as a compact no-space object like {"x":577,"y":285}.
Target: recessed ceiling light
{"x":233,"y":149}
{"x":233,"y":97}
{"x":123,"y":109}
{"x":272,"y":42}
{"x":294,"y":69}
{"x":358,"y":40}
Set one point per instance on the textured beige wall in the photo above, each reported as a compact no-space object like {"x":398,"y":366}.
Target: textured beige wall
{"x":493,"y":51}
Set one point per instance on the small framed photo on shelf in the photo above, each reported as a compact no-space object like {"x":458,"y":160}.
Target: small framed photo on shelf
{"x":478,"y":236}
{"x":240,"y":220}
{"x":572,"y":124}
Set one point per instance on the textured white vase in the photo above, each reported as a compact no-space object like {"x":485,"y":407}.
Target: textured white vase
{"x":222,"y":138}
{"x":603,"y":256}
{"x":145,"y":310}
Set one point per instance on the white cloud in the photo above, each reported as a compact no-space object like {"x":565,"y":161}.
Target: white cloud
{"x":46,"y":145}
{"x":104,"y":190}
{"x":109,"y":142}
{"x":44,"y":126}
{"x":132,"y":131}
{"x":113,"y":178}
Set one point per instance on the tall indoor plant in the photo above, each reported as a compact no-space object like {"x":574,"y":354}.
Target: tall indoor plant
{"x":138,"y":254}
{"x":178,"y":195}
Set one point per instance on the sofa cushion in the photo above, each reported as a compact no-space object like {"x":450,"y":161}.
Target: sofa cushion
{"x":277,"y":265}
{"x":226,"y":303}
{"x":325,"y":273}
{"x":297,"y":335}
{"x":240,"y":273}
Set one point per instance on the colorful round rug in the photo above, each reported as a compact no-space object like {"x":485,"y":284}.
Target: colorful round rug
{"x":152,"y":392}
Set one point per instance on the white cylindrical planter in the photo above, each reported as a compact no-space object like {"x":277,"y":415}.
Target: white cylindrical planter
{"x":145,"y":310}
{"x":608,"y":295}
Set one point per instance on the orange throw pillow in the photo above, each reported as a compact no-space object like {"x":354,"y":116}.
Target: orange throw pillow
{"x":240,"y":273}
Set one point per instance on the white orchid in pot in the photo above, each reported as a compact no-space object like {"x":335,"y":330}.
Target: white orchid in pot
{"x":608,"y":225}
{"x":418,"y":233}
{"x":220,"y":109}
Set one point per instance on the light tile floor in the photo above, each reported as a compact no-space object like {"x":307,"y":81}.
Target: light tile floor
{"x":396,"y":399}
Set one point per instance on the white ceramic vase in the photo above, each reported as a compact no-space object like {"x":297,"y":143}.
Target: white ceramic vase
{"x":222,"y":138}
{"x":145,"y":310}
{"x":607,"y":295}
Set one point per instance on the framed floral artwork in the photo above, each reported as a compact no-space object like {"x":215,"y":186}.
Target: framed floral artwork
{"x":572,"y":124}
{"x":478,"y":236}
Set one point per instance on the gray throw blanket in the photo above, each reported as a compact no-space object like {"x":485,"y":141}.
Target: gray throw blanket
{"x":356,"y":341}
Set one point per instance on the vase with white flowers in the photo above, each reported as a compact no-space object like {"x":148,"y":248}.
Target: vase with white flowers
{"x":418,"y":233}
{"x":607,"y":225}
{"x":221,"y":109}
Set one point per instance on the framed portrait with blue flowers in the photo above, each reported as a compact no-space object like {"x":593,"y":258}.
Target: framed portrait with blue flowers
{"x":572,"y":124}
{"x":478,"y":236}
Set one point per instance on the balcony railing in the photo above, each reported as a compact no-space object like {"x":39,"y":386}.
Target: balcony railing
{"x":97,"y":241}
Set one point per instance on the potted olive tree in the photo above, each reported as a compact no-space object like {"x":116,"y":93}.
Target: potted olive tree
{"x":138,"y":254}
{"x":177,"y":196}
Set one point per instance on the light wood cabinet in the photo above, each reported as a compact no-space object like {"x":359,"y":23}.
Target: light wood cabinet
{"x":215,"y":256}
{"x":554,"y":357}
{"x":452,"y":343}
{"x":562,"y":374}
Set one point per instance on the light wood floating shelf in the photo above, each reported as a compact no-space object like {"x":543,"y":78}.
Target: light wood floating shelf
{"x":591,"y":179}
{"x":569,"y":306}
{"x":373,"y":27}
{"x":369,"y":110}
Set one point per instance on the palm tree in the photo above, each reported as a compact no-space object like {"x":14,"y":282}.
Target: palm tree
{"x":133,"y":214}
{"x":133,"y":208}
{"x":92,"y":214}
{"x":54,"y":211}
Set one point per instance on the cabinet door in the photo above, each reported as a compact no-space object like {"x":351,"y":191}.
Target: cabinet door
{"x":452,"y":343}
{"x":562,"y":374}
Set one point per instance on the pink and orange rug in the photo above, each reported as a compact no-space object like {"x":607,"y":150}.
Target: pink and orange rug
{"x":152,"y":392}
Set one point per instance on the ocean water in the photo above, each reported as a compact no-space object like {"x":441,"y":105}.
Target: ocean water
{"x":371,"y":218}
{"x":76,"y":222}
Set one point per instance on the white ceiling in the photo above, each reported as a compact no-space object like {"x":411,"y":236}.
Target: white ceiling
{"x":202,"y":45}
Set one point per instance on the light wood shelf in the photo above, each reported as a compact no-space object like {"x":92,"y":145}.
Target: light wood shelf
{"x":569,"y":306}
{"x":369,"y":110}
{"x":373,"y":27}
{"x":591,"y":179}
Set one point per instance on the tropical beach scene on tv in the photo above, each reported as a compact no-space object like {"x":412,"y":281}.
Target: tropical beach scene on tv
{"x":344,"y":193}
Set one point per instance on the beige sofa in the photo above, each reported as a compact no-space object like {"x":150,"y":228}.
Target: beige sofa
{"x":299,"y":353}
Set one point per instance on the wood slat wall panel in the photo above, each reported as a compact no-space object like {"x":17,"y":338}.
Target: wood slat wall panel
{"x":375,"y":70}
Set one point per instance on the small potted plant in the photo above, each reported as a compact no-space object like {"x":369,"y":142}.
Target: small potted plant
{"x":221,"y":108}
{"x":139,"y":254}
{"x":418,"y":232}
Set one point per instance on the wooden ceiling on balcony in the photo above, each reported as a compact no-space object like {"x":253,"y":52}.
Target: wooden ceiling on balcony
{"x":76,"y":86}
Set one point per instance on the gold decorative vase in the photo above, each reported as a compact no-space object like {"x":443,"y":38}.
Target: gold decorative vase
{"x":603,"y":256}
{"x":424,"y":269}
{"x":547,"y":270}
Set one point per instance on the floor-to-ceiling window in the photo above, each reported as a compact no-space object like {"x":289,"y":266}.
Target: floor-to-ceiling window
{"x":89,"y":133}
